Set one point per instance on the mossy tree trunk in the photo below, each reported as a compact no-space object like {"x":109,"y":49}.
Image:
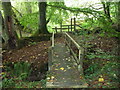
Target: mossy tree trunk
{"x":42,"y":18}
{"x":17,"y":22}
{"x":0,"y":29}
{"x":118,"y":16}
{"x":4,"y":35}
{"x":118,"y":27}
{"x":9,"y":26}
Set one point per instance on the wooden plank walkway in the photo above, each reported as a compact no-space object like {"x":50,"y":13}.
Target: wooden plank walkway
{"x":62,"y":71}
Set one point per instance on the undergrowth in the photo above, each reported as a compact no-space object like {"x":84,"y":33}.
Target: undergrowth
{"x":15,"y":75}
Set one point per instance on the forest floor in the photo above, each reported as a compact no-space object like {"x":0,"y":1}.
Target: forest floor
{"x":101,"y":67}
{"x":37,"y":54}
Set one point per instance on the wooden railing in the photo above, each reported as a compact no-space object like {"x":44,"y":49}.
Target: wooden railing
{"x":74,"y":46}
{"x":67,"y":28}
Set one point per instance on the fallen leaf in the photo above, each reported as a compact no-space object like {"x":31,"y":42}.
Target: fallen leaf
{"x":48,"y":78}
{"x":101,"y":79}
{"x":62,"y":68}
{"x":56,"y":69}
{"x":52,"y":77}
{"x":1,"y":66}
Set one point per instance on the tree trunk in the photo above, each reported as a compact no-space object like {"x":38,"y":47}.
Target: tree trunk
{"x":42,"y":18}
{"x":118,"y":28}
{"x":9,"y":26}
{"x":0,"y":30}
{"x":20,"y":27}
{"x":106,"y":7}
{"x":118,"y":15}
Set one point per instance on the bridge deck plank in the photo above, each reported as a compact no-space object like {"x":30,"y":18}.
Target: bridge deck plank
{"x":63,"y":71}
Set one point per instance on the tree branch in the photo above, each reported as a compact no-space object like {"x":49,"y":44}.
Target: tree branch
{"x":48,"y":21}
{"x":83,"y":10}
{"x":17,"y":11}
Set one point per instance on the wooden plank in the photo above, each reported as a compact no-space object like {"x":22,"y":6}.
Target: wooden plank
{"x":72,"y":25}
{"x":59,"y":28}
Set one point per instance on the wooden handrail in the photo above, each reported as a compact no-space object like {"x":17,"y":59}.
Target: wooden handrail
{"x":77,"y":59}
{"x":76,"y":44}
{"x":72,"y":26}
{"x":60,"y":28}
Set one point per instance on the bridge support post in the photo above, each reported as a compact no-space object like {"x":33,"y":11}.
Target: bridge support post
{"x":61,"y":27}
{"x":80,"y":66}
{"x":71,"y":24}
{"x":68,"y":28}
{"x":79,"y":54}
{"x":74,"y":24}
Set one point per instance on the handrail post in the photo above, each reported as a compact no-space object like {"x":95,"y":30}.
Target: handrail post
{"x":61,"y":27}
{"x":53,"y":40}
{"x":56,"y":29}
{"x":74,"y":24}
{"x":79,"y":54}
{"x":68,"y":28}
{"x":77,"y":59}
{"x":71,"y":24}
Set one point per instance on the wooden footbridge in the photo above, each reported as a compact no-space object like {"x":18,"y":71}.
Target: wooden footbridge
{"x":65,"y":62}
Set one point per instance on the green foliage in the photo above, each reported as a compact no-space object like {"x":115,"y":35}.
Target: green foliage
{"x":27,"y":84}
{"x":32,"y":43}
{"x":21,"y":69}
{"x":15,"y":76}
{"x":112,"y":70}
{"x":100,"y":54}
{"x":30,"y":22}
{"x":17,"y":83}
{"x":102,"y":24}
{"x":6,"y":82}
{"x":43,"y":83}
{"x":56,"y":15}
{"x":92,"y":69}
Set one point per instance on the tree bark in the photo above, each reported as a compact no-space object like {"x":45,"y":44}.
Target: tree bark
{"x":9,"y":26}
{"x":42,"y":18}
